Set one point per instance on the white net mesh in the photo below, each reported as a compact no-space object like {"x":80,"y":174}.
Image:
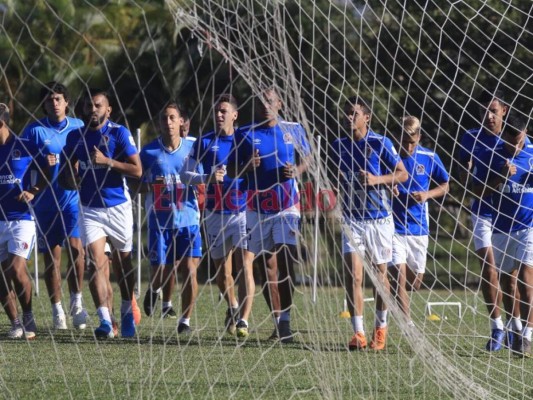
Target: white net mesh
{"x":429,"y":59}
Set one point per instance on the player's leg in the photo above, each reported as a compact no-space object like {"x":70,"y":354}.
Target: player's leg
{"x":169,"y":283}
{"x":286,"y":255}
{"x":159,"y":244}
{"x":525,"y":285}
{"x":8,"y":298}
{"x":398,"y":282}
{"x":244,"y":261}
{"x":52,"y":279}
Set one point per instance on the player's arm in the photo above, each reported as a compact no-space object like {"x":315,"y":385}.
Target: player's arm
{"x":68,"y":177}
{"x":192,"y":173}
{"x":131,"y":166}
{"x":398,"y":175}
{"x":438,"y":175}
{"x":41,"y":166}
{"x":494,"y":180}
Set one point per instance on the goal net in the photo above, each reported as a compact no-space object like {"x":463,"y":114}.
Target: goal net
{"x":428,"y":59}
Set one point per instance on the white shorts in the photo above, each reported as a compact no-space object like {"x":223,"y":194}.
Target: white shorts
{"x":225,"y":231}
{"x":16,"y":237}
{"x":482,"y":230}
{"x":113,"y":222}
{"x":411,"y":250}
{"x":512,"y":249}
{"x":370,"y":238}
{"x":268,"y":230}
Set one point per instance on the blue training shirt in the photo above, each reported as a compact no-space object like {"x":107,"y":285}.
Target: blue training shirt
{"x":513,"y":199}
{"x":18,"y":158}
{"x":375,"y":154}
{"x":172,"y":204}
{"x":424,"y":167}
{"x":101,"y":187}
{"x":50,"y":138}
{"x":268,"y":191}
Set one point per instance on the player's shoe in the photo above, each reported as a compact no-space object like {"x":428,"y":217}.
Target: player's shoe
{"x":114,"y":325}
{"x":526,"y":348}
{"x":60,"y":322}
{"x":184,"y":329}
{"x":16,"y":332}
{"x":168,"y":313}
{"x":127,"y":325}
{"x":516,"y":346}
{"x":379,"y":339}
{"x":285,"y":333}
{"x":136,"y":311}
{"x":509,"y":339}
{"x":241,"y":330}
{"x":229,"y":321}
{"x":274,"y":335}
{"x":30,"y":329}
{"x":358,"y":341}
{"x":496,"y":340}
{"x":105,"y":330}
{"x":150,"y":302}
{"x":79,"y":318}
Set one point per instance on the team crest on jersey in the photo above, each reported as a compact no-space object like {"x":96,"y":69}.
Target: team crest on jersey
{"x":104,"y":140}
{"x":215,"y":148}
{"x":132,"y":141}
{"x":47,"y":142}
{"x":257,"y":141}
{"x":15,"y":155}
{"x":160,"y":161}
{"x":420,"y":169}
{"x":24,"y":246}
{"x":287,"y":138}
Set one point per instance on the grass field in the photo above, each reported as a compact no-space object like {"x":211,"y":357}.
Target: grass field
{"x":209,"y":364}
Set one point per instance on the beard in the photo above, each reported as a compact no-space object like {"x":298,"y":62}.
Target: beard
{"x":94,"y":122}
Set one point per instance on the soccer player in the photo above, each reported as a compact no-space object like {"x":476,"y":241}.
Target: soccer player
{"x":428,"y":179}
{"x":509,"y":180}
{"x":366,"y":167}
{"x":174,"y":238}
{"x":56,"y":209}
{"x":492,"y":109}
{"x":266,"y":157}
{"x":225,"y":217}
{"x":17,"y":226}
{"x":98,"y":157}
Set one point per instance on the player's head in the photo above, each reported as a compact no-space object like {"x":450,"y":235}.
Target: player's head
{"x":410,"y":135}
{"x":55,"y":98}
{"x":492,"y":110}
{"x":96,"y":108}
{"x":225,"y":113}
{"x":186,"y":125}
{"x":4,"y":116}
{"x":515,"y":131}
{"x":170,"y":119}
{"x":268,"y":105}
{"x":357,"y":114}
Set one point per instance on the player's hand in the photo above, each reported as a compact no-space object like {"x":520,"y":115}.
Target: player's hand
{"x":98,"y":158}
{"x":367,"y":178}
{"x":255,"y":161}
{"x":25,"y":197}
{"x":290,"y":171}
{"x":508,"y":169}
{"x":218,"y":175}
{"x":420,"y":197}
{"x":469,"y":165}
{"x":51,"y":159}
{"x":395,"y":190}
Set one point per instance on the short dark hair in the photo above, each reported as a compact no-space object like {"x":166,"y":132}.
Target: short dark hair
{"x":515,"y":124}
{"x":4,"y":113}
{"x":173,"y":104}
{"x":54,"y":87}
{"x":357,"y":100}
{"x":227,"y":98}
{"x":486,"y":97}
{"x":92,"y":92}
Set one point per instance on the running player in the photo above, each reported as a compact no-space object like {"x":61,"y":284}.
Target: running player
{"x":366,"y":167}
{"x":97,"y":159}
{"x":410,"y":212}
{"x":56,"y":209}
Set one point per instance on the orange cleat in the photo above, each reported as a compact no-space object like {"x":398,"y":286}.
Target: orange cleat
{"x":136,"y":311}
{"x":358,"y":341}
{"x":379,"y":339}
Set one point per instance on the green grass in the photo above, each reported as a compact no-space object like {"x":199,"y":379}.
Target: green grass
{"x":210,"y":364}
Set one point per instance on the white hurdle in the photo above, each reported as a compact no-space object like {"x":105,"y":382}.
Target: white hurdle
{"x":457,"y":304}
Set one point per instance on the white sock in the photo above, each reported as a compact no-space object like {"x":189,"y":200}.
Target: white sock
{"x":57,"y":309}
{"x":285,"y":316}
{"x":185,"y":321}
{"x":125,"y":307}
{"x":235,"y":306}
{"x":275,"y":320}
{"x":244,"y":322}
{"x":516,"y":324}
{"x":75,"y":300}
{"x":103,"y":314}
{"x":496,"y":323}
{"x":357,"y":324}
{"x":381,"y":319}
{"x":526,"y":332}
{"x":167,"y":304}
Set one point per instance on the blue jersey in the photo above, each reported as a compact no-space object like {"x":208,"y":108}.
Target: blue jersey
{"x":101,"y":186}
{"x":375,"y":154}
{"x":423,"y":167}
{"x":18,"y":158}
{"x":50,"y":138}
{"x":267,"y":188}
{"x":473,"y":143}
{"x":171,"y":205}
{"x":513,"y":199}
{"x":213,"y":151}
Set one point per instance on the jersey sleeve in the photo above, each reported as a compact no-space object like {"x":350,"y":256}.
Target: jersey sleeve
{"x":438,"y":172}
{"x":303,"y":145}
{"x":465,"y":149}
{"x":146,"y":167}
{"x":485,"y":167}
{"x":389,"y":155}
{"x":126,"y":143}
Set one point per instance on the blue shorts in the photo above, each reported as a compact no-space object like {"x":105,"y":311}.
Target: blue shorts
{"x":54,"y":227}
{"x":166,"y":246}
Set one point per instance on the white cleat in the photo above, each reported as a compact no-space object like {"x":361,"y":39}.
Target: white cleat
{"x":16,"y":332}
{"x":79,"y":318}
{"x":60,"y":322}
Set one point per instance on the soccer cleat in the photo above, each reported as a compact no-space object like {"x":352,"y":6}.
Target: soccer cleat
{"x":358,"y":341}
{"x":229,"y":322}
{"x":516,"y":345}
{"x":79,"y":318}
{"x":60,"y":322}
{"x":30,"y":329}
{"x":509,"y":339}
{"x":16,"y":332}
{"x":242,"y":330}
{"x":496,"y":340}
{"x":184,"y":329}
{"x":127,"y":325}
{"x":274,"y":335}
{"x":379,"y":339}
{"x":285,"y":333}
{"x":526,"y":348}
{"x":168,"y":313}
{"x":150,"y":302}
{"x":136,"y":311}
{"x":105,"y":330}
